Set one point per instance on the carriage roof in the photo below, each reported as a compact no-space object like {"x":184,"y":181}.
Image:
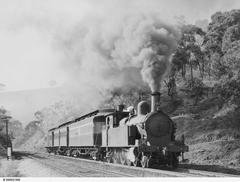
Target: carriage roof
{"x":103,"y":112}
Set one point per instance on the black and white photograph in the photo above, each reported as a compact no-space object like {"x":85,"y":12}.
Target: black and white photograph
{"x":119,"y":89}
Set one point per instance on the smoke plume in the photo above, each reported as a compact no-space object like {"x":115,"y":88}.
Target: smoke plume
{"x":138,"y":46}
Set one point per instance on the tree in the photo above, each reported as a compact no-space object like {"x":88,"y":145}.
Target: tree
{"x":39,"y":115}
{"x":189,"y":50}
{"x":179,"y":61}
{"x":203,"y":24}
{"x":222,"y":45}
{"x":195,"y":89}
{"x":3,"y":110}
{"x":231,"y":49}
{"x":222,"y":40}
{"x":126,"y":96}
{"x":5,"y":140}
{"x":2,"y":113}
{"x":230,"y":90}
{"x":171,"y":85}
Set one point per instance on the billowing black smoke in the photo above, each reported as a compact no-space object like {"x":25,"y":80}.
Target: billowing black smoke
{"x":104,"y":49}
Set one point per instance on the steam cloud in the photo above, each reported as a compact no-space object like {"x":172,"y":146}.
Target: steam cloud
{"x":134,"y":45}
{"x":2,"y":86}
{"x":101,"y":44}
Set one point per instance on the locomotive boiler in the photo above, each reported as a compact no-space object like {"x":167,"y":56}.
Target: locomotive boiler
{"x":144,"y":139}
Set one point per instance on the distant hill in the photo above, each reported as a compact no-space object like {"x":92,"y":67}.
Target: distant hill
{"x":23,"y":104}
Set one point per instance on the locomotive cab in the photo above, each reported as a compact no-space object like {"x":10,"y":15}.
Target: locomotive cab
{"x":116,"y":134}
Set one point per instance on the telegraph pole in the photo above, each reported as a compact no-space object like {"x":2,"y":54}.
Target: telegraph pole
{"x":9,"y":147}
{"x":7,"y":131}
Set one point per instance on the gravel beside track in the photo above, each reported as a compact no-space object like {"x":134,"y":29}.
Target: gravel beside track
{"x":78,"y":167}
{"x":71,"y":168}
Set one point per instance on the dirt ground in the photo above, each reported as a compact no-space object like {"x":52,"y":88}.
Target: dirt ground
{"x":25,"y":167}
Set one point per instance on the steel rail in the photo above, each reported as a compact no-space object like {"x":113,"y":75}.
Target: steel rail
{"x":66,"y":172}
{"x":75,"y":167}
{"x":127,"y":171}
{"x":102,"y":171}
{"x":181,"y":172}
{"x":207,"y":173}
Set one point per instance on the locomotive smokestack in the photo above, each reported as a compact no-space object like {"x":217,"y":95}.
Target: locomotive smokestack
{"x":155,"y":101}
{"x":120,"y":107}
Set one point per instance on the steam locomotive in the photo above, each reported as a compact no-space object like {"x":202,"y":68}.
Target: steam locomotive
{"x":119,"y":136}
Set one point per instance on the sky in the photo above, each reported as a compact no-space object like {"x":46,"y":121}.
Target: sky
{"x":35,"y":34}
{"x":29,"y":29}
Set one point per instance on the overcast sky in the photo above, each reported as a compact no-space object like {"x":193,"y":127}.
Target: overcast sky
{"x":29,"y":30}
{"x":39,"y":37}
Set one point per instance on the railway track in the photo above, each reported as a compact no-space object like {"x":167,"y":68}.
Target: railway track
{"x":65,"y":172}
{"x":78,"y":167}
{"x":73,"y":169}
{"x":206,"y":173}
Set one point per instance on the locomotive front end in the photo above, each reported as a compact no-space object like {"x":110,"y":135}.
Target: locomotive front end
{"x":157,"y":144}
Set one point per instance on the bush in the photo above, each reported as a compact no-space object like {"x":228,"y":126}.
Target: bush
{"x":229,"y":90}
{"x":195,"y":87}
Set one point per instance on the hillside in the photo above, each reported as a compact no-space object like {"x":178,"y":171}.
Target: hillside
{"x":33,"y":138}
{"x":23,"y":104}
{"x":211,"y":131}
